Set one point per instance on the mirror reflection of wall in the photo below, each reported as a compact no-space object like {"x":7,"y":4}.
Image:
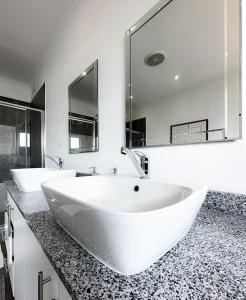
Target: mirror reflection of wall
{"x":83,"y":113}
{"x":185,"y":75}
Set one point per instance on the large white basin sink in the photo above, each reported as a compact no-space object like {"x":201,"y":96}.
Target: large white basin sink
{"x":125,"y":222}
{"x":29,"y":180}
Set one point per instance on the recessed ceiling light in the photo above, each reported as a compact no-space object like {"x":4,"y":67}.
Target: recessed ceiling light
{"x":176,"y":77}
{"x":84,"y":73}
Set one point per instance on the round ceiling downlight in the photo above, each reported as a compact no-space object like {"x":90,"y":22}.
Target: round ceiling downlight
{"x":154,"y":58}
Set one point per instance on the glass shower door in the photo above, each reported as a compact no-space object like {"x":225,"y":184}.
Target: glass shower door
{"x":21,"y":138}
{"x":12,"y":152}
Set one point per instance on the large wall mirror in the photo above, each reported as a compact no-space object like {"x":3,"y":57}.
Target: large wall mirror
{"x":184,"y":74}
{"x":83,"y":111}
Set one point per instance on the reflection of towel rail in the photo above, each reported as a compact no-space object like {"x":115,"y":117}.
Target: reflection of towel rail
{"x":202,"y":131}
{"x":82,"y":148}
{"x":134,"y":131}
{"x":184,"y":134}
{"x":82,"y":120}
{"x":211,"y":130}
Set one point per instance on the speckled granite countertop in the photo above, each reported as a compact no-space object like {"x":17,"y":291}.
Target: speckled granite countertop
{"x":209,"y":263}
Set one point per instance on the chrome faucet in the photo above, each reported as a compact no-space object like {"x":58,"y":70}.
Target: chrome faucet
{"x":93,"y":170}
{"x":53,"y":158}
{"x":139,"y":160}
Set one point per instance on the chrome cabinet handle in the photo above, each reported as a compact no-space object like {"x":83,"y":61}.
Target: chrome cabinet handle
{"x":9,"y":220}
{"x":9,"y":209}
{"x":41,"y":283}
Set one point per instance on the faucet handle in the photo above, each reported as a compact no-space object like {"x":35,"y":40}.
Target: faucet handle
{"x":113,"y":171}
{"x":61,"y":162}
{"x":93,"y":170}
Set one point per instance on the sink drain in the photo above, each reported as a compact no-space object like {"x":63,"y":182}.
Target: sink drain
{"x":136,"y":188}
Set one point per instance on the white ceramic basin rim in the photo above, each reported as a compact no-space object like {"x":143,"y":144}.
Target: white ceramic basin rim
{"x":30,"y":179}
{"x":125,"y":222}
{"x":120,"y":194}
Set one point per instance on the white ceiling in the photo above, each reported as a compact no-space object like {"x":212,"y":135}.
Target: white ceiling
{"x":192,"y":35}
{"x":26,"y":29}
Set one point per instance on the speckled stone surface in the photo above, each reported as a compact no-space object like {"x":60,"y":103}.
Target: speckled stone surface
{"x":227,"y":202}
{"x":209,"y":263}
{"x":28,"y":203}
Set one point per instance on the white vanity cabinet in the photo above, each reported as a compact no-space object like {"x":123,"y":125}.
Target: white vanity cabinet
{"x":15,"y":245}
{"x":26,"y":259}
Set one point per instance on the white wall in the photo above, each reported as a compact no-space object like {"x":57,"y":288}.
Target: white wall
{"x":14,"y":89}
{"x":97,"y":31}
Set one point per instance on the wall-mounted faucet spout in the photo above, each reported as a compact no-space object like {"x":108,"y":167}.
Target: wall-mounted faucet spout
{"x":59,"y":163}
{"x":139,"y":160}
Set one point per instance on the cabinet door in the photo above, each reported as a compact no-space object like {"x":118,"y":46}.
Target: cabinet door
{"x":29,"y":260}
{"x":9,"y":257}
{"x":36,"y":262}
{"x":63,"y":294}
{"x":16,"y":252}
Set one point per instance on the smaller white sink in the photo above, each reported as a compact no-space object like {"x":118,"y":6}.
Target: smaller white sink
{"x":29,"y":180}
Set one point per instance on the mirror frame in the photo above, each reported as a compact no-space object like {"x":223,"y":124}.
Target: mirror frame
{"x":94,"y":66}
{"x":128,"y":88}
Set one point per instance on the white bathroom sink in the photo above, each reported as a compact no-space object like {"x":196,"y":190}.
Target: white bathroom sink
{"x":125,"y":222}
{"x":29,"y":180}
